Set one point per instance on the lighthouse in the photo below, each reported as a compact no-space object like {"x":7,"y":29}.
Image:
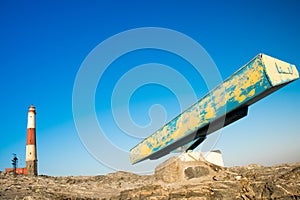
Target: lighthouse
{"x":31,"y":154}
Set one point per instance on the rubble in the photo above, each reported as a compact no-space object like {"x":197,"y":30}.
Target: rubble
{"x":198,"y":181}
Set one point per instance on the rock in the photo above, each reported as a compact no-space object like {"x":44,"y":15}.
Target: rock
{"x":174,"y":170}
{"x":172,"y":180}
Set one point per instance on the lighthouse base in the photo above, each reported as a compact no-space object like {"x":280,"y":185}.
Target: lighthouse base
{"x":32,"y":168}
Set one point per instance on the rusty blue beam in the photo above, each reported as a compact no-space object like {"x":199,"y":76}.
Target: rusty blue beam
{"x":223,"y":105}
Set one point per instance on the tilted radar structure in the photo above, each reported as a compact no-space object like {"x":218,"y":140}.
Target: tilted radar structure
{"x":223,"y":105}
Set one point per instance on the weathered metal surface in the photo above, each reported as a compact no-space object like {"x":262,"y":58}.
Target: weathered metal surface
{"x":223,"y":105}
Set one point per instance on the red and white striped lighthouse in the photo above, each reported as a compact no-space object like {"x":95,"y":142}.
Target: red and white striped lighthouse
{"x":31,"y":154}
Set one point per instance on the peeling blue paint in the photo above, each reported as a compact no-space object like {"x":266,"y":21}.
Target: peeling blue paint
{"x":246,"y":86}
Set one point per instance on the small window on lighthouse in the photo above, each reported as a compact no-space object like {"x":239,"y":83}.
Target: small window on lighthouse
{"x":30,"y":153}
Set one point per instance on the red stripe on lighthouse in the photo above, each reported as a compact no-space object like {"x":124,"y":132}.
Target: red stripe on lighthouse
{"x":30,"y":136}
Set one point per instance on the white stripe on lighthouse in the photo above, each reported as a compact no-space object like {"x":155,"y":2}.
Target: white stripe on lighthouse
{"x":30,"y":152}
{"x":31,"y":120}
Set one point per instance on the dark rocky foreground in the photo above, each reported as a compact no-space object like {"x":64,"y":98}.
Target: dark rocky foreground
{"x":198,"y":181}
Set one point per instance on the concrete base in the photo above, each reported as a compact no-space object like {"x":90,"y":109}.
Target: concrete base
{"x":190,"y":165}
{"x":214,"y":157}
{"x":32,"y":168}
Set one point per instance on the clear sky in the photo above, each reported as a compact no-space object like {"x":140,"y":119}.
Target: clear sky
{"x":44,"y":43}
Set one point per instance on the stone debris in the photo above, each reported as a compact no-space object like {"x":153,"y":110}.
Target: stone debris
{"x":172,"y":180}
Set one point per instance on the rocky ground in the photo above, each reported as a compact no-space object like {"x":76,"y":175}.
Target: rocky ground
{"x":202,"y":181}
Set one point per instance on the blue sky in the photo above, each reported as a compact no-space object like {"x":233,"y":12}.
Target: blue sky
{"x":43,"y":44}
